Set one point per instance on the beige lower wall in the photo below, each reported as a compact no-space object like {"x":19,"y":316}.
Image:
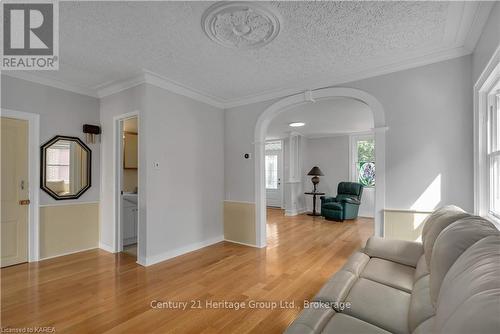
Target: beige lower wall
{"x":68,"y":228}
{"x":404,"y":224}
{"x":239,"y":222}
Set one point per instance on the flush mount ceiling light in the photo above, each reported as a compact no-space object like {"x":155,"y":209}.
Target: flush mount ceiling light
{"x":296,"y":124}
{"x":240,"y":25}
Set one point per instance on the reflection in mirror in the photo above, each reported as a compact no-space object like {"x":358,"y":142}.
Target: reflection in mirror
{"x":66,"y":165}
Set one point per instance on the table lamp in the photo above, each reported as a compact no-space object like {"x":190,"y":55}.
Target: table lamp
{"x":316,"y":173}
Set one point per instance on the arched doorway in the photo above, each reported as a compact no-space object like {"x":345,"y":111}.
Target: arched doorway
{"x":303,"y":98}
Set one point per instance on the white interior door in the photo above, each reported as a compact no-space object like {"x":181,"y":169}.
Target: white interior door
{"x":274,"y":175}
{"x":14,"y":204}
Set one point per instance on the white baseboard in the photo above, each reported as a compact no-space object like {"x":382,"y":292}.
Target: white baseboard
{"x":141,"y":261}
{"x":150,"y":260}
{"x":241,"y":243}
{"x":295,"y":212}
{"x":106,"y":248}
{"x":68,"y":253}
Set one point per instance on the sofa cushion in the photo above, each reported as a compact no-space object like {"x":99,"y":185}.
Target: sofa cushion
{"x":435,"y":223}
{"x":469,"y":298}
{"x":451,"y":243}
{"x":380,"y":305}
{"x":401,"y":251}
{"x":422,"y":269}
{"x":390,"y":273}
{"x":332,"y":206}
{"x":311,"y":320}
{"x":421,"y":307}
{"x":343,"y":324}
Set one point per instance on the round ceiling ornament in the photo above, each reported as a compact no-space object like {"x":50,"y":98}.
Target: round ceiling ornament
{"x":240,"y":24}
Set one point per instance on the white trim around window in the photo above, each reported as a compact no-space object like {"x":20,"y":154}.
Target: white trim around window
{"x":485,"y":103}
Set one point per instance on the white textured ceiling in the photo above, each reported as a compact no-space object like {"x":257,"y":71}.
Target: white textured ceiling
{"x":320,"y":43}
{"x":323,"y":118}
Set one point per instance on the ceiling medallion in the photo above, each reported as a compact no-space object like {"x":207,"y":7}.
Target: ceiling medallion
{"x":240,"y":25}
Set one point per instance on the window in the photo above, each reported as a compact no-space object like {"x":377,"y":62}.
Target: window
{"x":58,"y":162}
{"x":272,"y":171}
{"x":364,"y":160}
{"x":274,"y":145}
{"x":493,"y":152}
{"x":273,"y":150}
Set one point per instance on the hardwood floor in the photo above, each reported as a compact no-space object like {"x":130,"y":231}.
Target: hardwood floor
{"x":96,"y":292}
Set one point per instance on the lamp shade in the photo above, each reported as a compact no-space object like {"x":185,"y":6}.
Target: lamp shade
{"x":316,"y":171}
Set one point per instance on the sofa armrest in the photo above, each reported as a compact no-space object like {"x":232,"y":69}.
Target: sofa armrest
{"x":326,"y":199}
{"x":311,"y":320}
{"x":400,"y":251}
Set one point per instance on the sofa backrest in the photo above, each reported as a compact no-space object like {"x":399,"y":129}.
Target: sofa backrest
{"x":469,"y":298}
{"x":451,"y":243}
{"x":437,"y":222}
{"x":349,"y":189}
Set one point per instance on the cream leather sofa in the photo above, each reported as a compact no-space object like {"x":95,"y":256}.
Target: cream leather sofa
{"x":449,"y":283}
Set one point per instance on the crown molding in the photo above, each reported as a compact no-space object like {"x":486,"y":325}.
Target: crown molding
{"x":157,"y":80}
{"x":175,"y":87}
{"x":119,"y":85}
{"x":423,"y":60}
{"x":479,"y":20}
{"x":32,"y":77}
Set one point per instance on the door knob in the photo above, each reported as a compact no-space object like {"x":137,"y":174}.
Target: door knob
{"x":24,"y":202}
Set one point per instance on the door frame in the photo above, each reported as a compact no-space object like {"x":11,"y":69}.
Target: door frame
{"x":118,"y":177}
{"x":33,"y":178}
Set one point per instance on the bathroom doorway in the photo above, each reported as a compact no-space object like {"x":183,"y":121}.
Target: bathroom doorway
{"x":129,"y":172}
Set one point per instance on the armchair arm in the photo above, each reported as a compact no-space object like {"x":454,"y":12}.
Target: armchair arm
{"x":401,"y":251}
{"x":351,"y":201}
{"x":326,"y":199}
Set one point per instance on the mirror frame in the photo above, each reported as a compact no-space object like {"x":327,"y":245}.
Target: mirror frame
{"x":43,"y":159}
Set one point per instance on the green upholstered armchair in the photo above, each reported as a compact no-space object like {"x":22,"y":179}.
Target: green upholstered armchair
{"x":345,"y":205}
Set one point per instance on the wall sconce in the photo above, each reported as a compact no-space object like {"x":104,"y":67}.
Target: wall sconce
{"x":91,"y":132}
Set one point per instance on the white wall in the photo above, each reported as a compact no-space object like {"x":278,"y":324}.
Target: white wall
{"x":61,"y":113}
{"x":429,"y":114}
{"x":181,"y":201}
{"x":429,"y":141}
{"x":239,"y":128}
{"x":331,"y":155}
{"x":185,"y":195}
{"x":488,"y":42}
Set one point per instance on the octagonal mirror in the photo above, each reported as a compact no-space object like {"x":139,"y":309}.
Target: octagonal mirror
{"x":65,"y":167}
